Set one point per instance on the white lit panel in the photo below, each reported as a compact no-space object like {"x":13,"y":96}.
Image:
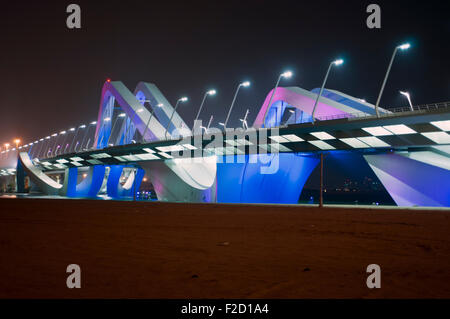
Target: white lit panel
{"x":100,"y":155}
{"x":323,"y":136}
{"x":293,"y":138}
{"x":438,"y":137}
{"x":165,"y":155}
{"x":400,"y":129}
{"x":377,"y":131}
{"x":146,"y":156}
{"x":76,"y":164}
{"x":278,"y":139}
{"x":373,"y":141}
{"x":443,"y":125}
{"x":189,"y":147}
{"x":354,"y":142}
{"x":149,"y":150}
{"x":243,"y":141}
{"x":322,"y":145}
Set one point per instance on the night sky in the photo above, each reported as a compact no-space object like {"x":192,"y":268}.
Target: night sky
{"x":51,"y":76}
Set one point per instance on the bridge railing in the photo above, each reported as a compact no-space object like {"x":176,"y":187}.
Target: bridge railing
{"x":390,"y":112}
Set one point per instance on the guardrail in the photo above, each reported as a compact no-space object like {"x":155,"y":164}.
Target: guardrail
{"x":390,"y":112}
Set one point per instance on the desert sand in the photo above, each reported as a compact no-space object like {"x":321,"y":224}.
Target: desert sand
{"x":179,"y":250}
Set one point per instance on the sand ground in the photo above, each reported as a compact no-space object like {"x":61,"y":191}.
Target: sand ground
{"x":164,"y":250}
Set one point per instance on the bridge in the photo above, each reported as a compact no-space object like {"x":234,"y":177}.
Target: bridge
{"x":407,"y":149}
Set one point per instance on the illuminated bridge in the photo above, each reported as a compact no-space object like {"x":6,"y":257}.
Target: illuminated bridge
{"x":407,"y":149}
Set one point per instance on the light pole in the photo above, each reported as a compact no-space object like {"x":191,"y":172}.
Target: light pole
{"x":244,"y":84}
{"x":56,"y":140}
{"x":43,"y":146}
{"x":148,"y":122}
{"x":211,"y":93}
{"x":409,"y":99}
{"x":285,"y":75}
{"x":402,"y":47}
{"x":85,"y":134}
{"x":17,"y":142}
{"x":121,"y":115}
{"x":72,"y":148}
{"x":336,"y":62}
{"x":183,"y":99}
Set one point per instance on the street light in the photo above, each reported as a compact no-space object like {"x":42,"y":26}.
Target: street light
{"x":285,"y":75}
{"x":244,"y":84}
{"x":85,"y":134}
{"x":17,"y":141}
{"x":121,"y":115}
{"x":72,"y":147}
{"x":211,"y":93}
{"x":148,"y":122}
{"x":409,"y":99}
{"x":336,"y":63}
{"x":402,"y":47}
{"x":183,"y":99}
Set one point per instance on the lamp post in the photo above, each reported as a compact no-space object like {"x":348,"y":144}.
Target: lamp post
{"x":148,"y":122}
{"x":85,"y":134}
{"x":409,"y":99}
{"x":402,"y":47}
{"x":121,"y":115}
{"x":285,"y":75}
{"x":336,"y":62}
{"x":211,"y":93}
{"x":183,"y":99}
{"x":244,"y":84}
{"x":75,"y":136}
{"x":43,"y":146}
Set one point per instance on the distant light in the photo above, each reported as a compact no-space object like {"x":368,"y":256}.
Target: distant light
{"x":62,"y":132}
{"x":122,"y":115}
{"x":245,"y":84}
{"x":287,"y":74}
{"x":6,"y":145}
{"x":404,"y":46}
{"x":107,"y":119}
{"x":160,"y":105}
{"x":41,"y":139}
{"x":56,"y":134}
{"x":183,"y":99}
{"x":140,"y":110}
{"x":83,"y":126}
{"x":108,"y":80}
{"x":338,"y":62}
{"x":362,"y":100}
{"x":292,"y":111}
{"x":404,"y":93}
{"x":211,"y":92}
{"x":72,"y":129}
{"x":220,"y":123}
{"x":47,"y":138}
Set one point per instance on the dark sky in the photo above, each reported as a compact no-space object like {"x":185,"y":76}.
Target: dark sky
{"x":51,"y":77}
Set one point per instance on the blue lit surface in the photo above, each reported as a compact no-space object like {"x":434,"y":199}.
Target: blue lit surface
{"x":244,"y":183}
